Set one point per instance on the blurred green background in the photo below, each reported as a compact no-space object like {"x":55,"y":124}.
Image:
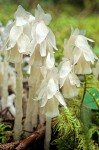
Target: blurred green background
{"x":82,"y":14}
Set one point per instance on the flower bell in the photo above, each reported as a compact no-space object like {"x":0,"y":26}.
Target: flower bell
{"x":68,"y":80}
{"x":50,"y":98}
{"x":18,"y":40}
{"x":82,"y":56}
{"x":42,"y":36}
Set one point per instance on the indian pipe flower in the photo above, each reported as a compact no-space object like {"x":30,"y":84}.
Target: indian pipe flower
{"x":50,"y":98}
{"x":83,"y":55}
{"x":68,"y":79}
{"x":42,"y":35}
{"x":79,"y":52}
{"x":17,"y":44}
{"x":49,"y":94}
{"x":18,"y":39}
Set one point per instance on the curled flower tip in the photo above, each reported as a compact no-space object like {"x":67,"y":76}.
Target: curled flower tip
{"x":22,"y":17}
{"x":40,"y":15}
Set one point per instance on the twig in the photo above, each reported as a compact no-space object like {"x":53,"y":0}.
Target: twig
{"x":23,"y":144}
{"x":34,"y":137}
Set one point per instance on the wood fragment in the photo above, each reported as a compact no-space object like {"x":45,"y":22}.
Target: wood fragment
{"x":24,"y":144}
{"x":32,"y":138}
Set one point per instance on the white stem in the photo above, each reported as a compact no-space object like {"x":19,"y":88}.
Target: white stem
{"x":32,"y":106}
{"x":18,"y":103}
{"x":35,"y":113}
{"x":41,"y":115}
{"x":47,"y":133}
{"x":5,"y":82}
{"x":34,"y":82}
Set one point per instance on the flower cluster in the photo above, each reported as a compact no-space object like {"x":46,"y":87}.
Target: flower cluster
{"x":68,"y":79}
{"x":30,"y":35}
{"x":78,"y":58}
{"x":18,"y":32}
{"x":49,"y":93}
{"x":79,"y":52}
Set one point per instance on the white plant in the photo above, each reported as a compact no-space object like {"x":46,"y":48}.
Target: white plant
{"x":50,"y":98}
{"x":31,"y":35}
{"x":41,"y":53}
{"x":17,"y":43}
{"x":68,"y":79}
{"x":79,"y":52}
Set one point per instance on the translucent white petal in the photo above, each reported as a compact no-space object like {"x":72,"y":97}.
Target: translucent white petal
{"x":39,"y":13}
{"x":14,"y":56}
{"x":60,"y":98}
{"x":43,"y":49}
{"x":47,"y":18}
{"x":32,"y":46}
{"x":74,"y":79}
{"x":41,"y":92}
{"x":31,"y":18}
{"x":77,"y":54}
{"x":50,"y":60}
{"x":75,"y":32}
{"x":64,"y":69}
{"x":20,"y":12}
{"x":20,"y":21}
{"x":33,"y":31}
{"x":41,"y":32}
{"x":69,"y":90}
{"x":82,"y":67}
{"x":68,"y":47}
{"x":8,"y":29}
{"x":22,"y":17}
{"x":89,"y":39}
{"x":44,"y":101}
{"x":27,"y":30}
{"x":51,"y":108}
{"x":15,"y":34}
{"x":82,"y":43}
{"x":62,"y":81}
{"x":51,"y":88}
{"x":89,"y":56}
{"x":51,"y":39}
{"x":23,"y":43}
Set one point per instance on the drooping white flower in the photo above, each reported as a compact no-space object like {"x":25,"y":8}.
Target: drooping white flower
{"x":49,"y":94}
{"x":42,"y":36}
{"x":68,"y":80}
{"x":69,"y":44}
{"x":82,"y":66}
{"x":22,"y":17}
{"x":81,"y":43}
{"x":79,"y":52}
{"x":18,"y":38}
{"x":50,"y":98}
